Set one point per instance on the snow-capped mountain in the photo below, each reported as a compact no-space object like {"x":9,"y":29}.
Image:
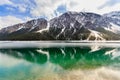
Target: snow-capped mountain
{"x":18,"y":30}
{"x":114,"y":19}
{"x":68,"y":26}
{"x":113,"y":15}
{"x":83,"y":26}
{"x":29,"y":26}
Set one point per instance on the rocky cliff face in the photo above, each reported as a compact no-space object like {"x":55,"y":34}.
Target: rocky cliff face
{"x":68,"y":26}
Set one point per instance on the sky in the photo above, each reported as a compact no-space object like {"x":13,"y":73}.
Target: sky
{"x":18,"y":11}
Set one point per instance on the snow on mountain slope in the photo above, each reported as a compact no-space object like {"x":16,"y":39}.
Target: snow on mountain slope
{"x":45,"y":29}
{"x":30,"y":26}
{"x":114,"y":14}
{"x":113,"y":28}
{"x":97,"y":35}
{"x":21,"y":27}
{"x":113,"y":17}
{"x":34,"y":24}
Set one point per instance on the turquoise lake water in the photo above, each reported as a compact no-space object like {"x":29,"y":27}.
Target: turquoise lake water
{"x":81,"y":62}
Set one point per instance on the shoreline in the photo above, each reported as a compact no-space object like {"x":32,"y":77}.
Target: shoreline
{"x":49,"y":44}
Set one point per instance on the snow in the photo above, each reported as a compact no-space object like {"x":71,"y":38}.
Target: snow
{"x":72,"y":24}
{"x":114,"y":14}
{"x":97,"y":35}
{"x":80,"y":19}
{"x":45,"y":29}
{"x":116,"y":17}
{"x":20,"y":28}
{"x":40,"y":31}
{"x":34,"y":25}
{"x":113,"y":28}
{"x":74,"y":31}
{"x":61,"y":32}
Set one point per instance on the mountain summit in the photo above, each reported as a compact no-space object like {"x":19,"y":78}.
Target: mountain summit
{"x":68,"y":26}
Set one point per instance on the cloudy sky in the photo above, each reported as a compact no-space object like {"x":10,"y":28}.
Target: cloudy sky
{"x":17,"y":11}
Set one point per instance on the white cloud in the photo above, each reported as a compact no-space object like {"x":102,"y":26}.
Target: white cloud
{"x":23,"y":5}
{"x":85,"y":5}
{"x":9,"y":20}
{"x":108,"y":9}
{"x":48,"y":8}
{"x":22,"y":8}
{"x":78,"y":5}
{"x":2,"y":2}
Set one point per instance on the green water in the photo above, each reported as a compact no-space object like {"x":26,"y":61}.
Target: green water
{"x":60,"y":63}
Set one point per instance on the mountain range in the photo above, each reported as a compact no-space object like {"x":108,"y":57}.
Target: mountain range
{"x":68,"y":26}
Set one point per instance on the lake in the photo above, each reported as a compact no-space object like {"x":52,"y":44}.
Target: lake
{"x":59,"y":60}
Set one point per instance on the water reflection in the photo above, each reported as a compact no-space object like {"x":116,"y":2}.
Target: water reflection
{"x":68,"y":57}
{"x":60,"y":63}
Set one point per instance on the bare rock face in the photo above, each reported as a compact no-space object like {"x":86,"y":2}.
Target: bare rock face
{"x":35,"y":25}
{"x":67,"y":27}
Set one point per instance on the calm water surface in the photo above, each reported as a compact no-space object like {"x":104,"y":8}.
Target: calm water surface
{"x":81,"y":62}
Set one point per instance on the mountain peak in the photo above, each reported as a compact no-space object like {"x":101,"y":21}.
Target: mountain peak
{"x":68,"y":26}
{"x":32,"y":25}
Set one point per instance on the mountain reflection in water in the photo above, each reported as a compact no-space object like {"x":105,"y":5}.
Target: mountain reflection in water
{"x":65,"y":61}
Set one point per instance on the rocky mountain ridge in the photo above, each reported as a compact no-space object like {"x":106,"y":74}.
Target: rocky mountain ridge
{"x":68,"y":26}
